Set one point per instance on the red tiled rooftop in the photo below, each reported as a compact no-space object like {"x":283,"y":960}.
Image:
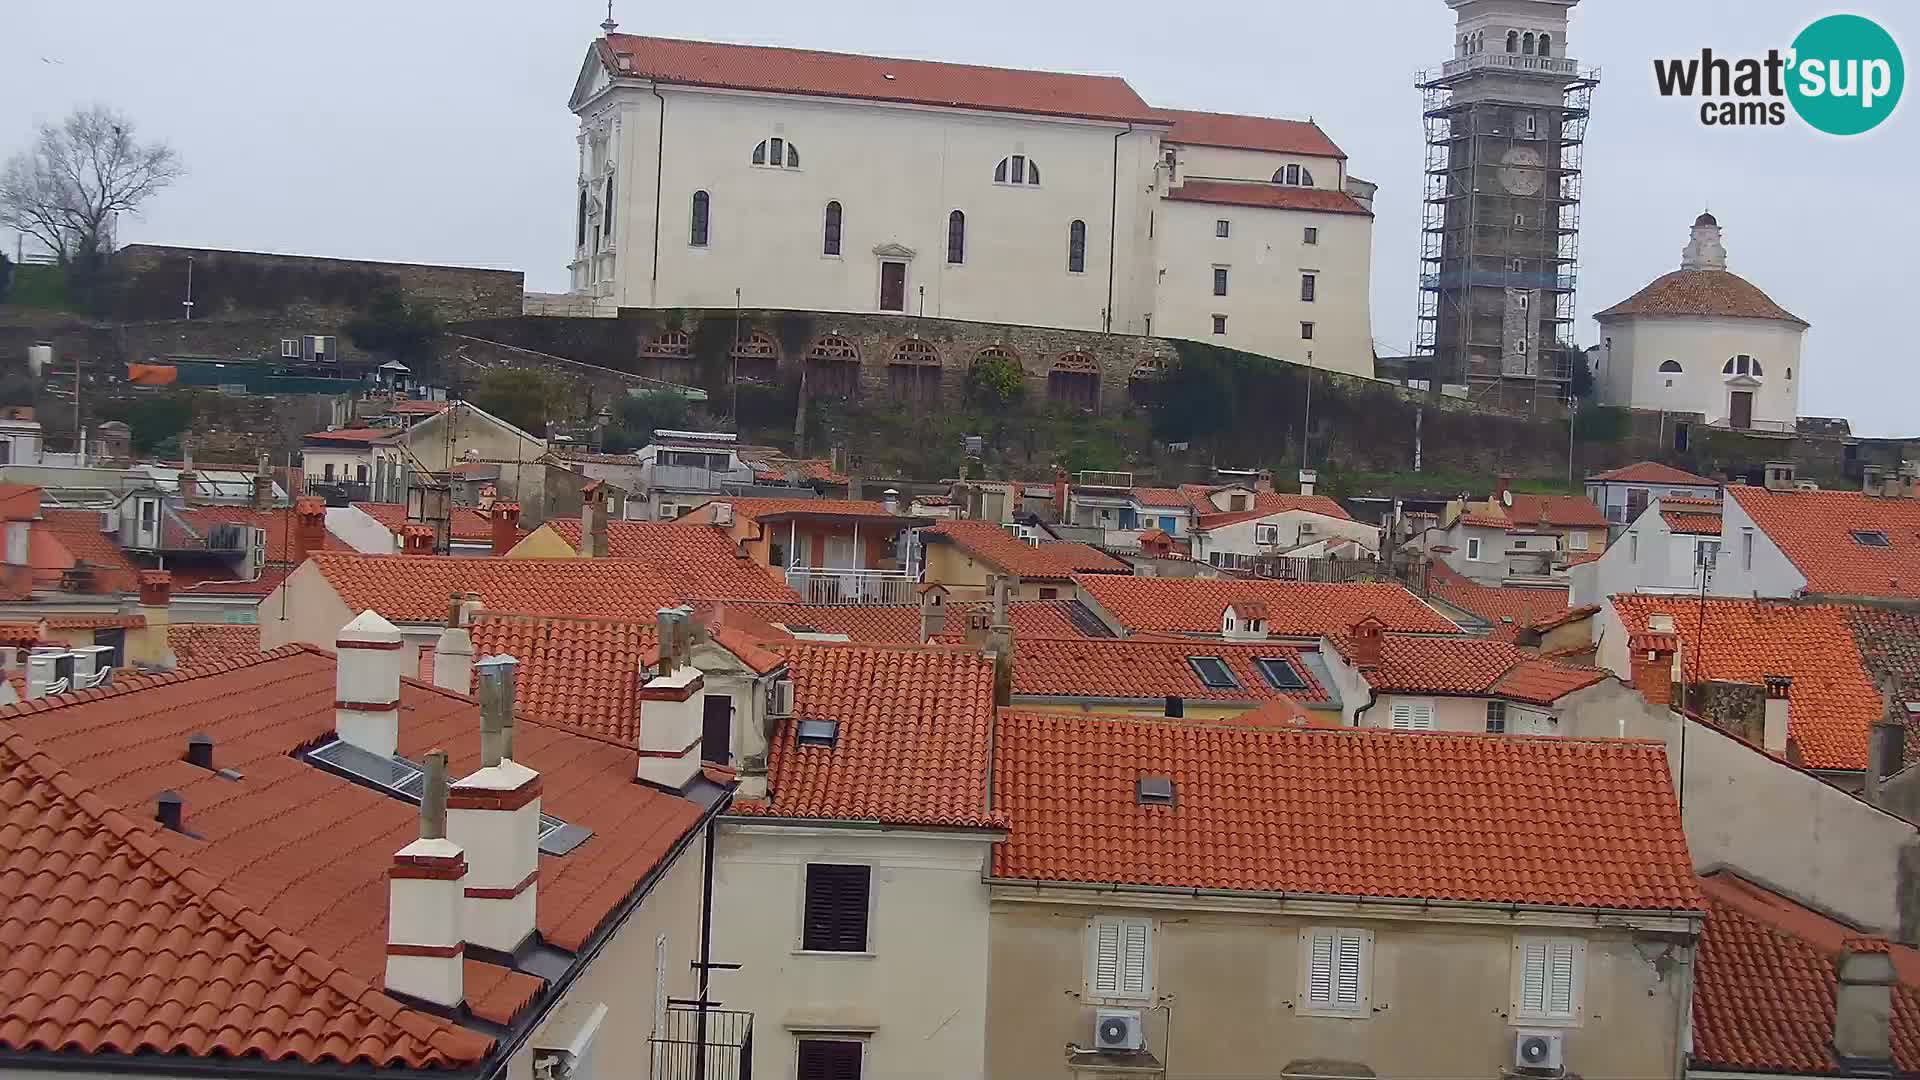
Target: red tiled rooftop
{"x":77,"y":533}
{"x":1478,"y":667}
{"x":1233,"y":132}
{"x":876,"y":78}
{"x":1702,"y":292}
{"x":900,"y":625}
{"x":1266,"y":502}
{"x":1814,"y":530}
{"x":580,"y":673}
{"x":1690,"y":521}
{"x":755,"y":509}
{"x":1764,"y":984}
{"x":1490,"y":819}
{"x":1051,"y":560}
{"x":19,"y":502}
{"x":703,"y":560}
{"x":1653,"y":472}
{"x":197,"y":644}
{"x":1575,"y":511}
{"x":360,"y":436}
{"x":1135,"y":668}
{"x":1194,"y":605}
{"x":1169,"y":498}
{"x":1508,"y":608}
{"x":466,"y":524}
{"x":1833,"y":701}
{"x":1267,"y":196}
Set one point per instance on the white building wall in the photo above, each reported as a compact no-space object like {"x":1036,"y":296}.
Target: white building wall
{"x":1647,"y":557}
{"x":1639,"y":344}
{"x":1234,"y":163}
{"x":360,"y":531}
{"x":1611,"y":495}
{"x":346,"y":464}
{"x":917,"y":997}
{"x":1449,"y":713}
{"x":1239,"y":538}
{"x":1767,"y":573}
{"x":1491,"y":567}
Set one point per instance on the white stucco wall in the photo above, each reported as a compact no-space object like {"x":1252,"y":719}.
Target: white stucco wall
{"x":1648,"y":557}
{"x":1639,"y":344}
{"x":1490,"y":568}
{"x":1769,"y":573}
{"x":918,"y":997}
{"x":360,"y":531}
{"x":1611,"y":495}
{"x":1449,"y":713}
{"x":346,"y":463}
{"x":1239,"y":537}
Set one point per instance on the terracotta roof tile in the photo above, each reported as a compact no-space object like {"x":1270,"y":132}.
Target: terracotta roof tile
{"x":1052,"y":560}
{"x":20,"y":633}
{"x":1266,"y":195}
{"x":1689,"y":521}
{"x":466,"y":525}
{"x":1267,"y":133}
{"x":1833,"y":701}
{"x":1652,"y":472}
{"x":1414,"y":664}
{"x":1134,"y":668}
{"x":78,"y":533}
{"x":19,"y":502}
{"x":753,"y":509}
{"x":900,"y":625}
{"x":1814,"y":529}
{"x":362,"y":436}
{"x":701,"y":561}
{"x":128,"y":621}
{"x":1169,"y":498}
{"x":194,"y":644}
{"x":1485,"y":516}
{"x":1701,"y":292}
{"x":912,"y":743}
{"x":1531,"y":510}
{"x":116,"y":943}
{"x":1765,"y":981}
{"x":1265,"y":502}
{"x":876,"y":78}
{"x":582,"y":673}
{"x":1580,"y":823}
{"x":1194,"y":605}
{"x":1509,"y":609}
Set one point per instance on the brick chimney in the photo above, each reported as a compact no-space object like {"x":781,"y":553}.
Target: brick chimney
{"x":593,"y":521}
{"x":1774,"y":717}
{"x":1364,"y":642}
{"x":494,"y":815}
{"x":505,"y":518}
{"x":416,"y":539}
{"x":366,"y":696}
{"x":189,"y":482}
{"x":1651,"y":666}
{"x":453,"y":653}
{"x":1863,"y":1006}
{"x":426,"y":950}
{"x":263,"y":485}
{"x":310,"y":527}
{"x":156,"y":594}
{"x":672,"y":708}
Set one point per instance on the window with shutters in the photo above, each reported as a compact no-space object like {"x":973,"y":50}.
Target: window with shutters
{"x":1547,"y":977}
{"x":835,"y":919}
{"x":829,"y":1059}
{"x":1412,"y":715}
{"x":1336,"y":975}
{"x":1120,"y":958}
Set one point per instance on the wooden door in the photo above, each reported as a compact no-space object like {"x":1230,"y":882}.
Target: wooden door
{"x":1741,"y":410}
{"x":893,"y":286}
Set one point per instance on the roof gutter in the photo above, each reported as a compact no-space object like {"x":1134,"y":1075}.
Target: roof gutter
{"x":15,"y":1062}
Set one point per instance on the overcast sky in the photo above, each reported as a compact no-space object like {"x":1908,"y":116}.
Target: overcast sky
{"x":435,"y":131}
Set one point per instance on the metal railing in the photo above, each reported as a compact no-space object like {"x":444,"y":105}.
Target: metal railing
{"x":844,"y":587}
{"x":1543,"y":65}
{"x":1779,"y":427}
{"x":676,"y":1046}
{"x":692,"y":478}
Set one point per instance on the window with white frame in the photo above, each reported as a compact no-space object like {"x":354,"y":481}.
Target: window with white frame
{"x":1266,"y":534}
{"x":1577,"y":540}
{"x":1336,"y":971}
{"x":1411,"y":714}
{"x":1473,"y":548}
{"x":1120,"y":958}
{"x":1547,"y":977}
{"x":1746,"y":549}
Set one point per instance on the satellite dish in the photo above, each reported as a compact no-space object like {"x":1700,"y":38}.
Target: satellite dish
{"x":1506,"y":498}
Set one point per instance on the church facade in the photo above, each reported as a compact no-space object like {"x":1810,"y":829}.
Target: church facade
{"x":714,"y":174}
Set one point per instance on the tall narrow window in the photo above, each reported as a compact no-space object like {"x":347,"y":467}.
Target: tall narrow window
{"x":1293,"y":174}
{"x":835,"y":919}
{"x":1547,"y":978}
{"x":1513,"y":41}
{"x":777,"y":149}
{"x":1526,"y":45}
{"x":1077,"y":248}
{"x":1219,"y":281}
{"x":1120,"y":958}
{"x":1336,"y":971}
{"x":1546,"y":44}
{"x":956,"y":238}
{"x":580,"y":220}
{"x":700,"y":211}
{"x":1307,"y":288}
{"x":1309,"y":235}
{"x":1306,"y":177}
{"x":606,"y":223}
{"x":831,"y":245}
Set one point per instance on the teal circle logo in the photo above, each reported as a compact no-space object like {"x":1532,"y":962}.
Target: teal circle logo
{"x":1846,"y":75}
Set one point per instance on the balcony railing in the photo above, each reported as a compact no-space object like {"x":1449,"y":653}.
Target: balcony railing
{"x":1770,"y":427}
{"x":833,"y":586}
{"x":691,"y":478}
{"x":690,"y":1046}
{"x":1537,"y":65}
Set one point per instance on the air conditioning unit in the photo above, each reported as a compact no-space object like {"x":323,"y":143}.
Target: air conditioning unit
{"x":723,"y":514}
{"x":1118,"y":1029}
{"x":1539,"y":1051}
{"x":780,"y":697}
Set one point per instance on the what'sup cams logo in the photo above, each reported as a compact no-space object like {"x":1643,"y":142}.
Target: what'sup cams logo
{"x":1842,"y":75}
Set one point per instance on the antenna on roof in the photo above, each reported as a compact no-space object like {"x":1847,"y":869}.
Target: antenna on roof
{"x":609,"y":26}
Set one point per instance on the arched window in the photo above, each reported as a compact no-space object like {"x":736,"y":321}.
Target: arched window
{"x":776,"y":153}
{"x":1526,"y":45}
{"x":1513,"y":41}
{"x":1077,"y":248}
{"x":1016,"y":169}
{"x":1742,"y":364}
{"x":700,"y":212}
{"x":1306,"y":178}
{"x":1670,"y":367}
{"x":1293,"y":174}
{"x":1546,"y":44}
{"x":672,"y":345}
{"x":956,"y":238}
{"x":831,"y":246}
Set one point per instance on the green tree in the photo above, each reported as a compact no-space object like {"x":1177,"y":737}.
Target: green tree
{"x":526,"y":399}
{"x":637,"y":416}
{"x":996,"y":382}
{"x":155,"y":419}
{"x":1194,"y":398}
{"x":1581,"y":384}
{"x":392,"y":327}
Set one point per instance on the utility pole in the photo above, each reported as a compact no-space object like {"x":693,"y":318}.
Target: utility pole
{"x":188,"y":302}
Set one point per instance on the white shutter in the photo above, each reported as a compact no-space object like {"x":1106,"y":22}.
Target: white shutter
{"x":1533,"y":977}
{"x":1133,"y":960}
{"x":1320,"y":968}
{"x":1402,"y":716}
{"x":1106,"y":956}
{"x":1346,"y":983}
{"x":1423,"y":716}
{"x":1560,"y":977}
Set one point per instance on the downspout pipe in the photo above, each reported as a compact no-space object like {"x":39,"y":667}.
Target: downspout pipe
{"x":1113,"y":224}
{"x":659,"y":164}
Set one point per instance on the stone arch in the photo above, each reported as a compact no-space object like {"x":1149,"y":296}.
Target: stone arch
{"x":913,"y":372}
{"x":994,"y":352}
{"x":669,"y":355}
{"x":756,"y":358}
{"x":1146,"y":376}
{"x":1074,"y":379}
{"x":672,"y":344}
{"x":833,"y":366}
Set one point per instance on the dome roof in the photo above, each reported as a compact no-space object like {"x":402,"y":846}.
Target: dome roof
{"x":1702,"y":292}
{"x":1706,"y":219}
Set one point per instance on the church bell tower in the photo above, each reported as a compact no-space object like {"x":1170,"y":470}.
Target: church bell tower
{"x":1506,"y":120}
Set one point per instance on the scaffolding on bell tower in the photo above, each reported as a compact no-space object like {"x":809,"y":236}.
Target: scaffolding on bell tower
{"x":1500,"y":227}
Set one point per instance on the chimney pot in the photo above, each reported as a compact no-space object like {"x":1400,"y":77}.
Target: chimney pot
{"x":493,"y":815}
{"x":1886,"y":753}
{"x":1651,"y":668}
{"x":200,"y":750}
{"x":310,"y":529}
{"x":1775,"y":714}
{"x":366,"y":706}
{"x":506,"y":526}
{"x":433,"y":797}
{"x":1364,"y":639}
{"x":496,"y":708}
{"x":426,"y":903}
{"x":170,"y":811}
{"x":156,"y":588}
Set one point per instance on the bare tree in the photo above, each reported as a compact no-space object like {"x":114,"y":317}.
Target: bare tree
{"x":79,"y":173}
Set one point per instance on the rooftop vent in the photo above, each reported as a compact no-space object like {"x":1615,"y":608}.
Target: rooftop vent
{"x":1154,"y":791}
{"x":171,"y":811}
{"x":818,"y":732}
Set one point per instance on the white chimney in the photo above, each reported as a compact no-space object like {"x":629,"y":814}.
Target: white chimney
{"x":366,"y":696}
{"x":672,"y":710}
{"x":1308,"y":478}
{"x":453,"y":653}
{"x":426,"y":892}
{"x":494,"y":815}
{"x":1773,"y":727}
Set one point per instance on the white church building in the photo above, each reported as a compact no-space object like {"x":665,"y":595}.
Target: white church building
{"x":1703,"y":340}
{"x":711,"y":174}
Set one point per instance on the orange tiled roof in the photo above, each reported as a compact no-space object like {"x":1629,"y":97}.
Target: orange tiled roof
{"x":1564,"y":510}
{"x":1266,"y":502}
{"x":582,"y":673}
{"x":912,"y":743}
{"x":195,"y":644}
{"x":310,"y":851}
{"x":1702,"y":292}
{"x":1267,"y":196}
{"x":1814,"y":530}
{"x":19,"y":502}
{"x":1248,"y":133}
{"x":1169,"y":498}
{"x":96,"y":622}
{"x":1136,"y":668}
{"x":1569,"y":822}
{"x":19,"y":633}
{"x":1479,"y":667}
{"x":704,"y":560}
{"x":1296,"y":608}
{"x":1833,"y":701}
{"x":1764,"y":984}
{"x":118,"y":943}
{"x":773,"y":468}
{"x":891,"y":624}
{"x":1652,"y":472}
{"x":1485,"y":516}
{"x":360,"y":436}
{"x":753,"y":509}
{"x":1509,"y":609}
{"x":466,"y":525}
{"x":1051,"y":560}
{"x":78,"y":533}
{"x":1696,"y":517}
{"x":875,"y":78}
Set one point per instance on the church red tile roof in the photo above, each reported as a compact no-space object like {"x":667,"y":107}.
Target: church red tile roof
{"x":1490,"y":819}
{"x":875,"y":78}
{"x":1814,"y":530}
{"x":1653,"y":472}
{"x":1233,"y":132}
{"x":1266,"y":195}
{"x":1049,"y":560}
{"x":1135,"y":668}
{"x":1765,"y":979}
{"x":1194,"y":605}
{"x":1702,"y":292}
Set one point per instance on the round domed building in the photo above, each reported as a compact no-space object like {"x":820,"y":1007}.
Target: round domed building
{"x":1702,"y":339}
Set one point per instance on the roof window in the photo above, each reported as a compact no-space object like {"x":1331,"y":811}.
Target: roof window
{"x":818,"y":732}
{"x":1154,"y":791}
{"x":1213,"y":672}
{"x":1871,"y":538}
{"x":399,"y":778}
{"x":1279,"y":673}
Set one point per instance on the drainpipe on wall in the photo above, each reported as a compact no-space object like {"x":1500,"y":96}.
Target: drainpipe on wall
{"x":1113,"y":226}
{"x":659,"y":164}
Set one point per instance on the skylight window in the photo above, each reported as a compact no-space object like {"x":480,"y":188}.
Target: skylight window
{"x":1279,"y":673}
{"x":1213,"y":672}
{"x":405,"y":780}
{"x":1871,"y":538}
{"x":818,"y":732}
{"x":1154,"y":791}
